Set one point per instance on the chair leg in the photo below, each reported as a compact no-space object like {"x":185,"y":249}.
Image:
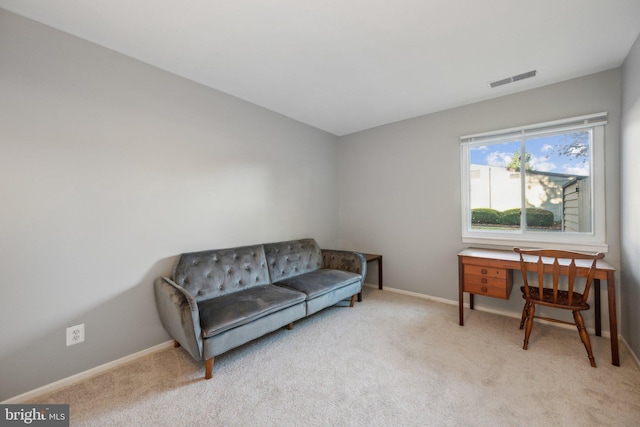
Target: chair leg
{"x":584,"y":336}
{"x":531,"y":311}
{"x":353,"y":301}
{"x":524,"y":314}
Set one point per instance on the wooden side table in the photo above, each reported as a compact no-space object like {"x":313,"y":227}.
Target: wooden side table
{"x":369,"y":258}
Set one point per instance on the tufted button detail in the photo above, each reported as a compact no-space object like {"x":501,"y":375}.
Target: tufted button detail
{"x":220,"y":287}
{"x":257,"y":278}
{"x":209,"y":275}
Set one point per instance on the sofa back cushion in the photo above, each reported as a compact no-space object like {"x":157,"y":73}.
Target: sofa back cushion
{"x":292,"y":258}
{"x":213,"y":273}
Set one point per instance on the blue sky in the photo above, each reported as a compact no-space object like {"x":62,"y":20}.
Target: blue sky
{"x":544,"y":155}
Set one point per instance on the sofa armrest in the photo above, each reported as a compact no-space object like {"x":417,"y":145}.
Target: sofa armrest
{"x":179,"y":315}
{"x":353,"y":262}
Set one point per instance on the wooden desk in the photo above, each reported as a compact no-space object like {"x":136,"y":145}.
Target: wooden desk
{"x":489,"y":272}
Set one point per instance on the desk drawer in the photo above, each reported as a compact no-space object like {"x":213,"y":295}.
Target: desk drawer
{"x":485,"y":271}
{"x":487,"y":281}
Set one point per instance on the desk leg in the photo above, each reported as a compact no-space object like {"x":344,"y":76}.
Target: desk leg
{"x":380,"y":272}
{"x":596,"y":298}
{"x":613,"y":318}
{"x":460,"y":292}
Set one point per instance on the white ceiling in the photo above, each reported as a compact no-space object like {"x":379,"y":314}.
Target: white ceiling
{"x":349,"y":65}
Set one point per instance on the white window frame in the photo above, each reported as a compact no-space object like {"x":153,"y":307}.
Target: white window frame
{"x":584,"y":241}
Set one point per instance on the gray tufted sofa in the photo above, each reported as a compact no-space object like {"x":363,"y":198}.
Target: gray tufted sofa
{"x":219,"y":299}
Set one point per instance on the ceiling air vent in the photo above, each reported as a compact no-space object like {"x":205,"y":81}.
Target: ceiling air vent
{"x":512,"y":79}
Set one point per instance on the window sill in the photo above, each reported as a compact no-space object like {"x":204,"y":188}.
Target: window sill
{"x":586,"y":246}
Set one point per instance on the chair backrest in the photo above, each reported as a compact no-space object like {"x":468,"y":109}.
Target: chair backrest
{"x":558,"y":262}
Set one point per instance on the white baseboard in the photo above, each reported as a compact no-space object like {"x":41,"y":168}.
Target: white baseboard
{"x":417,"y":295}
{"x":633,"y":355}
{"x":33,"y":394}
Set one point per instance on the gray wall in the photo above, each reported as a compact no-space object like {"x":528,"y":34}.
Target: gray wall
{"x":630,"y":200}
{"x":109,"y":168}
{"x":400,"y":183}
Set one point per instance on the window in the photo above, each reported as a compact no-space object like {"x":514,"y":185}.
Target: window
{"x":540,"y":185}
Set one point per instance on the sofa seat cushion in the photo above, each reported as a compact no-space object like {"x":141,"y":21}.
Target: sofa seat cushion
{"x":238,"y":308}
{"x":319,"y":282}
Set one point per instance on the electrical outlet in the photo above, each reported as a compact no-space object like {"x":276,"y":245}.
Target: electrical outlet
{"x":75,"y":334}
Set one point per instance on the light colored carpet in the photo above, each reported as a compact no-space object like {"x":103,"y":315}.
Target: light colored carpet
{"x":393,"y":360}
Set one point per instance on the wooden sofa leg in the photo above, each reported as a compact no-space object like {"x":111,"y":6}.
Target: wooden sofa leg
{"x":176,"y":344}
{"x":208,"y":368}
{"x":290,"y":326}
{"x":353,"y":300}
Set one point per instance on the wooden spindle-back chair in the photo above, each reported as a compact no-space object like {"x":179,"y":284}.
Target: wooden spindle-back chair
{"x":574,"y":298}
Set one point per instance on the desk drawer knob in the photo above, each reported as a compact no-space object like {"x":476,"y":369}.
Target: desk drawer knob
{"x":484,"y":289}
{"x":483,"y":280}
{"x":483,"y":271}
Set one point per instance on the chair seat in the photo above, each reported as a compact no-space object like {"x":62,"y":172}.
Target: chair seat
{"x":561,"y":301}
